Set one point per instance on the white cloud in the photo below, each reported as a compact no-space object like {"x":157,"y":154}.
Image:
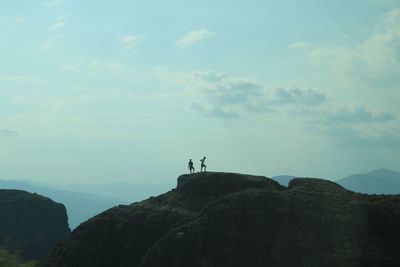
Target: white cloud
{"x":357,"y":125}
{"x":22,"y":79}
{"x":218,"y":94}
{"x":358,"y":114}
{"x":374,"y":62}
{"x":56,"y":33}
{"x":297,"y":95}
{"x":346,"y":135}
{"x":194,"y":37}
{"x":98,"y":67}
{"x":101,"y":66}
{"x":70,"y":67}
{"x":55,"y":3}
{"x":58,"y":25}
{"x":48,"y":44}
{"x":299,"y":45}
{"x":221,"y":96}
{"x":20,"y":20}
{"x":214,"y":112}
{"x":54,"y":103}
{"x":130,"y":42}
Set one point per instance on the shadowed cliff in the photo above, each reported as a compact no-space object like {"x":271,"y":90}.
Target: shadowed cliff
{"x":30,"y":224}
{"x":226,"y":219}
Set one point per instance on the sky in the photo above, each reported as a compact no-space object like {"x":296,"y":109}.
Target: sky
{"x":124,"y":90}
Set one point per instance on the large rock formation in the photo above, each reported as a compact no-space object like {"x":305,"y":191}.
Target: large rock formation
{"x":221,"y":219}
{"x":30,"y":224}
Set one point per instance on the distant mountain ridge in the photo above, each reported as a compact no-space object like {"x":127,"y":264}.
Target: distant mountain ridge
{"x":283,"y":179}
{"x":129,"y":192}
{"x":380,"y":181}
{"x":80,"y":206}
{"x":84,"y":201}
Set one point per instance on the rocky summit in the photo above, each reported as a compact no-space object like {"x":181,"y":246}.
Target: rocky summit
{"x":227,"y":219}
{"x":30,"y":224}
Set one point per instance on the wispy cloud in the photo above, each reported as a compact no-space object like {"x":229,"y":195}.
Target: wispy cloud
{"x":70,"y":67}
{"x":56,"y":32}
{"x":22,"y":79}
{"x":52,"y":42}
{"x":194,"y":37}
{"x":8,"y":133}
{"x":55,"y":3}
{"x":57,"y":25}
{"x":372,"y":64}
{"x":48,"y":44}
{"x":296,"y":95}
{"x":130,"y":42}
{"x":214,"y":112}
{"x":375,"y":62}
{"x":359,"y":114}
{"x":218,"y":94}
{"x":346,"y":135}
{"x":357,"y":125}
{"x":99,"y":66}
{"x":20,"y":20}
{"x":299,"y":45}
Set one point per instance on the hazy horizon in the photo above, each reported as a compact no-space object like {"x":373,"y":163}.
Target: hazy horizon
{"x":130,"y":90}
{"x":66,"y":184}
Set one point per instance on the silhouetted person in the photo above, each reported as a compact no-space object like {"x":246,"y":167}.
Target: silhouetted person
{"x":203,"y":165}
{"x":190,"y":166}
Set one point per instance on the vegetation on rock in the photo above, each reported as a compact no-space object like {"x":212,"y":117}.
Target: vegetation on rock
{"x":10,"y":260}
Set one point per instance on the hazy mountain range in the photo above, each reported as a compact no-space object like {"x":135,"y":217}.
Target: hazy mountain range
{"x":80,"y":206}
{"x":85,"y":201}
{"x":380,"y":181}
{"x":129,"y":192}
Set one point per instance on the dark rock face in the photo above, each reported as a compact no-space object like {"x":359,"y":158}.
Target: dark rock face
{"x":30,"y":224}
{"x":220,"y":219}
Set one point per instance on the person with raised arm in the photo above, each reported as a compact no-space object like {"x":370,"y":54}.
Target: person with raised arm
{"x":203,"y":166}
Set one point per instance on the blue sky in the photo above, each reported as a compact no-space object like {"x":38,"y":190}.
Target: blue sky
{"x":130,"y":90}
